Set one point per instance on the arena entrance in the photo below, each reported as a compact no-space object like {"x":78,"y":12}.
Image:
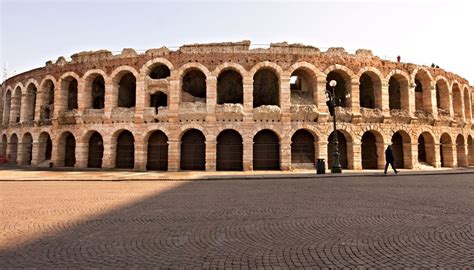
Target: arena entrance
{"x":193,"y":151}
{"x":342,"y":147}
{"x":470,"y":149}
{"x":446,"y":151}
{"x":369,"y":151}
{"x":96,"y":151}
{"x":13,"y":146}
{"x":266,"y":151}
{"x":426,"y":149}
{"x":70,"y":151}
{"x":460,"y":151}
{"x":27,"y":149}
{"x":302,"y":148}
{"x":157,"y":153}
{"x":230,"y":149}
{"x":125,"y":151}
{"x":397,"y":149}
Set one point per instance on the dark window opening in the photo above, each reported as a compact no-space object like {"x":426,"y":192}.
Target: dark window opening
{"x":160,"y":72}
{"x":157,"y":155}
{"x":98,"y":93}
{"x":194,"y":87}
{"x":127,"y":91}
{"x":421,"y":149}
{"x":96,"y":151}
{"x":72,"y":95}
{"x":70,"y":151}
{"x":301,"y":88}
{"x":369,"y":151}
{"x":394,"y":94}
{"x":230,"y":87}
{"x":157,"y":100}
{"x":266,"y":88}
{"x":125,"y":151}
{"x":340,"y":89}
{"x":49,"y":149}
{"x":366,"y":92}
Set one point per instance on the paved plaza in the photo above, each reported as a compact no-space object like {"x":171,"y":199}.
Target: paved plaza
{"x":374,"y":221}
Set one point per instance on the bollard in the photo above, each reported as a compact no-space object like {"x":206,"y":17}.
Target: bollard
{"x":320,"y":166}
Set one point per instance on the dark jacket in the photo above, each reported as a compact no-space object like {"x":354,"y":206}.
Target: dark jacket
{"x":389,"y":155}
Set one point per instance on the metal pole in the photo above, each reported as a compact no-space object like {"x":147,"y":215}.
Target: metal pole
{"x":336,"y":165}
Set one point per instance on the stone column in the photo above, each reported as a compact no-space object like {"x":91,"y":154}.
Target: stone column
{"x":82,"y":99}
{"x":38,"y":104}
{"x":140,"y":153}
{"x":248,"y":153}
{"x":285,"y":155}
{"x":139,"y":100}
{"x":110,"y":99}
{"x":248,"y":97}
{"x":35,"y":154}
{"x":285,"y":97}
{"x":173,"y":155}
{"x":174,"y":97}
{"x":211,"y":98}
{"x":354,"y":150}
{"x":437,"y":155}
{"x":381,"y":154}
{"x":108,"y":159}
{"x":320,"y":93}
{"x":354,"y":102}
{"x":414,"y":155}
{"x":407,"y":156}
{"x":411,"y":98}
{"x":82,"y":154}
{"x":211,"y":147}
{"x":432,"y":97}
{"x":23,"y":109}
{"x":385,"y":99}
{"x":57,"y":155}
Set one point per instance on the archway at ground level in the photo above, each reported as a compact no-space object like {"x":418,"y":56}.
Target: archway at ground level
{"x":397,"y":149}
{"x":96,"y":151}
{"x":157,"y":153}
{"x":470,"y":150}
{"x":13,"y":149}
{"x":266,"y":151}
{"x":45,"y":148}
{"x":302,"y":148}
{"x":3,"y":147}
{"x":371,"y":148}
{"x":125,"y":150}
{"x":342,"y":147}
{"x":193,"y":150}
{"x":70,"y":151}
{"x":229,"y":151}
{"x":426,"y":149}
{"x":27,"y":149}
{"x":461,"y":151}
{"x":446,"y":151}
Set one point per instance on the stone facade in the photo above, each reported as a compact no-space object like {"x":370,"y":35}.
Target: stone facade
{"x":224,"y":106}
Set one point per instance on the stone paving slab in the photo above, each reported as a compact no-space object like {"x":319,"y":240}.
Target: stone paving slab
{"x":424,"y":221}
{"x":20,"y":174}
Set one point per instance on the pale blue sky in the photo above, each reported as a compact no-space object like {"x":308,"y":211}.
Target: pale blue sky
{"x":33,"y":32}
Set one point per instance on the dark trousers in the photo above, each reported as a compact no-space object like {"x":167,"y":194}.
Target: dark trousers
{"x":392,"y":163}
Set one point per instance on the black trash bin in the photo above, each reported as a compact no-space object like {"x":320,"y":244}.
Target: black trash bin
{"x":320,"y":166}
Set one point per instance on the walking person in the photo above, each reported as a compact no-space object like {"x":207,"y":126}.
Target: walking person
{"x":389,"y":159}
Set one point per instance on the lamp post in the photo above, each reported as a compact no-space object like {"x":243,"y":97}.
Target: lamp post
{"x":331,"y":98}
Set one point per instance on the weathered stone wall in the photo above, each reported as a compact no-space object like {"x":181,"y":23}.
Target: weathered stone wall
{"x":183,"y":112}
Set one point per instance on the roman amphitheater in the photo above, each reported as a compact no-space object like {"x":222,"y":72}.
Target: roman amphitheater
{"x":227,"y":106}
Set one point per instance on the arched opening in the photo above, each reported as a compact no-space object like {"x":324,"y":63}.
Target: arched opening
{"x":13,"y":149}
{"x":370,"y":91}
{"x":125,"y":150}
{"x":159,"y":71}
{"x":16,"y":106}
{"x":158,"y":99}
{"x":127,"y":91}
{"x":342,"y":87}
{"x":194,"y":86}
{"x":423,"y":91}
{"x":266,"y":88}
{"x":193,"y":150}
{"x":69,"y":90}
{"x":369,"y":151}
{"x":157,"y":154}
{"x":398,"y":92}
{"x":342,"y":149}
{"x":230,"y":87}
{"x":467,"y":106}
{"x":229,"y":151}
{"x":96,"y":151}
{"x":69,"y":150}
{"x":27,"y":149}
{"x":266,"y":151}
{"x":302,"y":86}
{"x":302,"y":148}
{"x":7,"y":108}
{"x":98,"y":92}
{"x":397,"y":149}
{"x":47,"y":102}
{"x":457,"y":101}
{"x":470,"y":150}
{"x":461,"y":151}
{"x":30,"y":103}
{"x":45,"y":148}
{"x":3,"y":146}
{"x":442,"y":97}
{"x":446,"y":151}
{"x":426,"y":151}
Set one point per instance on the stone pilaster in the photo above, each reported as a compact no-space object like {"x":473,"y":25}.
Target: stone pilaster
{"x":139,"y":100}
{"x":211,"y":145}
{"x":140,"y":154}
{"x":385,"y":99}
{"x":35,"y":154}
{"x":354,"y":155}
{"x":354,"y":100}
{"x":248,"y":97}
{"x":173,"y":155}
{"x":211,"y":98}
{"x":82,"y":154}
{"x":248,"y":154}
{"x":285,"y":155}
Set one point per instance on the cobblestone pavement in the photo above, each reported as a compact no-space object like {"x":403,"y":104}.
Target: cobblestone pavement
{"x":393,"y":221}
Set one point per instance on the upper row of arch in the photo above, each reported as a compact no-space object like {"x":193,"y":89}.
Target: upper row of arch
{"x":145,"y":70}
